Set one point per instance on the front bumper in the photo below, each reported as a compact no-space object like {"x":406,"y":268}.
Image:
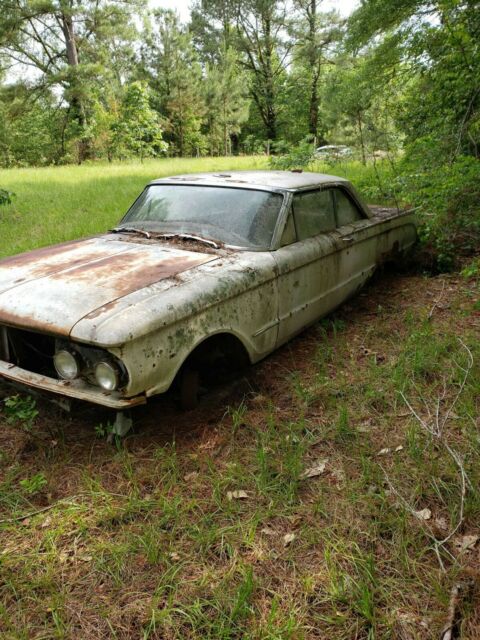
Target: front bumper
{"x":76,"y":389}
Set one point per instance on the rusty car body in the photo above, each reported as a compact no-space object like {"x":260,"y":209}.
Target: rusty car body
{"x":148,"y":301}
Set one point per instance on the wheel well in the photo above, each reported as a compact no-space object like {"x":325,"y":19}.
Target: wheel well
{"x":220,"y":353}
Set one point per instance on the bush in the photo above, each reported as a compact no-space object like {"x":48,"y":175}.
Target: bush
{"x":299,"y":157}
{"x":5,"y":197}
{"x":447,"y":192}
{"x":254,"y":146}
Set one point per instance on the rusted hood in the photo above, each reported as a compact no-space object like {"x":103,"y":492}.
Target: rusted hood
{"x":51,"y":289}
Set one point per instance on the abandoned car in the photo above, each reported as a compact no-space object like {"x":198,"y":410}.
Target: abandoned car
{"x":204,"y":269}
{"x":333,"y":152}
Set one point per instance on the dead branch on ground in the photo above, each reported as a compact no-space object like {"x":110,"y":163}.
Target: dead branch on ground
{"x":435,"y":426}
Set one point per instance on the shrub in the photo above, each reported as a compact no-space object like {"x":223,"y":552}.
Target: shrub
{"x":298,"y":157}
{"x":447,"y":192}
{"x":5,"y":197}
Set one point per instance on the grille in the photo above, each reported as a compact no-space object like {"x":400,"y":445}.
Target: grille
{"x":28,"y":350}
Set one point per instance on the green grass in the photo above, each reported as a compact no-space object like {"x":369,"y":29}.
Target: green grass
{"x":55,"y":204}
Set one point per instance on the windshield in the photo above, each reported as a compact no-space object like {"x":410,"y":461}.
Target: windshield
{"x":238,"y":217}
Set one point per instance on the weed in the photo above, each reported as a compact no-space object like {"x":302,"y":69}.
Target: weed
{"x":344,"y":432}
{"x":415,"y":443}
{"x":34,"y":484}
{"x":103,"y":430}
{"x":237,"y":415}
{"x":334,"y":324}
{"x":5,"y":197}
{"x":21,"y":410}
{"x":150,"y":541}
{"x":282,"y":623}
{"x":472,"y":270}
{"x":352,"y":583}
{"x":280,"y":452}
{"x":305,"y":393}
{"x":113,"y":562}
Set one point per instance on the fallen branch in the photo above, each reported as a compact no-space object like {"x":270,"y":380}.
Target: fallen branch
{"x":437,"y":301}
{"x":408,"y":507}
{"x":25,"y":516}
{"x":435,"y":425}
{"x":67,"y":500}
{"x":450,"y":630}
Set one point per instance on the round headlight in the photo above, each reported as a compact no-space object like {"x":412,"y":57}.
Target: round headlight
{"x":67,"y":364}
{"x":107,"y":376}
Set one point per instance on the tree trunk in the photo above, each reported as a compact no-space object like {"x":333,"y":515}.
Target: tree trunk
{"x":69,"y":34}
{"x":270,"y":111}
{"x":225,"y":129}
{"x":234,"y":144}
{"x":259,"y":40}
{"x":315,"y":66}
{"x":362,"y":142}
{"x":76,"y":102}
{"x":180,"y":139}
{"x":314,"y":105}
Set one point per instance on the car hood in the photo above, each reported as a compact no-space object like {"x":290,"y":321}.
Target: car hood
{"x":53,"y":288}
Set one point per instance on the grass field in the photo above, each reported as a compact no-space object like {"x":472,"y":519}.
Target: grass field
{"x":55,"y":204}
{"x":331,"y":493}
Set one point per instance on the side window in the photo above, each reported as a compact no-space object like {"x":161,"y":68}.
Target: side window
{"x":314,"y":213}
{"x":347,"y":210}
{"x":288,"y":236}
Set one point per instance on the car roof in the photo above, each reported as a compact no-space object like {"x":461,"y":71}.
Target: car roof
{"x":265,"y":180}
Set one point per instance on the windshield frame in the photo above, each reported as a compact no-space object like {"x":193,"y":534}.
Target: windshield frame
{"x":275,"y":233}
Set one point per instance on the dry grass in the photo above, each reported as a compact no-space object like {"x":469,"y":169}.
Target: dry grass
{"x":143,"y":542}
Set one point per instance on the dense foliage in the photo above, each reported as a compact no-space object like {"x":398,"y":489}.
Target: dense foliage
{"x":5,"y":197}
{"x":242,"y":75}
{"x":398,"y":82}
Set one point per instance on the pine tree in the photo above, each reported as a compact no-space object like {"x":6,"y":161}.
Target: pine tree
{"x":137,"y":131}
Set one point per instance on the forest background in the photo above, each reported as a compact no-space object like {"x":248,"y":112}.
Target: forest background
{"x":398,"y":82}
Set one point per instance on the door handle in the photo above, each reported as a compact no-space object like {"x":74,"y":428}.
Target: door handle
{"x":348,"y":239}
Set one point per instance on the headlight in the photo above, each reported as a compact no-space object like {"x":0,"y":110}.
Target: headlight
{"x":67,"y":364}
{"x":107,"y":376}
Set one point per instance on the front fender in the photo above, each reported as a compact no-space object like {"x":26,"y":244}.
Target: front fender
{"x":153,"y":360}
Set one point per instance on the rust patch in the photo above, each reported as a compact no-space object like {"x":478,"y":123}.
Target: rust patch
{"x":52,"y":299}
{"x":184,"y":244}
{"x":42,"y":270}
{"x":36,"y":255}
{"x":30,"y":322}
{"x":103,"y":309}
{"x":127,"y":272}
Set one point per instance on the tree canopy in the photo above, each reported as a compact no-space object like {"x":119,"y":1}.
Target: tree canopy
{"x":240,"y":76}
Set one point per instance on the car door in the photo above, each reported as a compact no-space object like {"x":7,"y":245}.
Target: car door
{"x":357,"y":242}
{"x":307,"y":262}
